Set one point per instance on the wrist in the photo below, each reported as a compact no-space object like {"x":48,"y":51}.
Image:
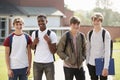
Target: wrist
{"x":49,"y":41}
{"x":9,"y":68}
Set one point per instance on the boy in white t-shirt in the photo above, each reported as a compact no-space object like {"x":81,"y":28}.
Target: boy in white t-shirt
{"x":18,"y":52}
{"x":45,"y":48}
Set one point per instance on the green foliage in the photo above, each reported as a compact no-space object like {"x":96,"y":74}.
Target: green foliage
{"x":111,"y":18}
{"x":3,"y":69}
{"x":116,"y":57}
{"x":84,"y":16}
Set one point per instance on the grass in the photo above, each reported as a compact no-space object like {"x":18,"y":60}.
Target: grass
{"x":3,"y":69}
{"x":116,"y":56}
{"x":117,"y":65}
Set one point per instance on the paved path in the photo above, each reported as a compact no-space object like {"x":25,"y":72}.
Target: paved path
{"x":59,"y":74}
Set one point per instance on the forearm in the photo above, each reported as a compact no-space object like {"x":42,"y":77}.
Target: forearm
{"x":8,"y":63}
{"x":33,"y":45}
{"x":7,"y":58}
{"x":52,"y":47}
{"x":29,"y":56}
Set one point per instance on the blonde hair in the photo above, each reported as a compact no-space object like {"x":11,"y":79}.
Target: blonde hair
{"x":18,"y":20}
{"x":97,"y":15}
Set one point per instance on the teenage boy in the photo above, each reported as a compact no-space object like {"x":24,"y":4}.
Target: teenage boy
{"x":18,"y":52}
{"x":96,"y":48}
{"x":71,"y":48}
{"x":45,"y":46}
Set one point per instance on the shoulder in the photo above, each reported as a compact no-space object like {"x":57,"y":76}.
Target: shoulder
{"x":64,"y":36}
{"x":34,"y":32}
{"x":81,"y":33}
{"x":52,"y":32}
{"x":7,"y":40}
{"x":90,"y":32}
{"x":107,"y":34}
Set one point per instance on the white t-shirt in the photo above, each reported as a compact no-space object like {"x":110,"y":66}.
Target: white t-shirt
{"x":18,"y":55}
{"x":42,"y":53}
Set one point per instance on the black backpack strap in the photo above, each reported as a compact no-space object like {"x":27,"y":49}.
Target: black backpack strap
{"x":48,"y":32}
{"x":90,"y":34}
{"x":82,"y":37}
{"x":103,"y":35}
{"x":111,"y":42}
{"x":111,"y":50}
{"x":66,"y":41}
{"x":82,"y":40}
{"x":36,"y":34}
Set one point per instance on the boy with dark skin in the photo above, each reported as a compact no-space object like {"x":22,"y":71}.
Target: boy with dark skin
{"x":45,"y":48}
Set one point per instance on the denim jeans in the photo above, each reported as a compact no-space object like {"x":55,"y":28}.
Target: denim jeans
{"x":92,"y":73}
{"x":71,"y":72}
{"x":19,"y":74}
{"x":39,"y":68}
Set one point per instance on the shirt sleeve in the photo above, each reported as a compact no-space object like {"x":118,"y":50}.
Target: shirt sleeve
{"x":107,"y":49}
{"x":29,"y":40}
{"x":6,"y":42}
{"x":33,"y":36}
{"x":53,"y":37}
{"x":87,"y":49}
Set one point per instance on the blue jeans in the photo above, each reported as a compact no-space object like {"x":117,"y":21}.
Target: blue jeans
{"x":71,"y":72}
{"x":39,"y":68}
{"x":19,"y":74}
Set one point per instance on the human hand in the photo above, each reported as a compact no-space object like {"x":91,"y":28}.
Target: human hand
{"x":36,"y":40}
{"x":10,"y":73}
{"x":105,"y":72}
{"x":47,"y":38}
{"x":28,"y":71}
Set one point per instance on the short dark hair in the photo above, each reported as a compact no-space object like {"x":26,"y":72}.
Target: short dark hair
{"x":42,"y":15}
{"x":74,"y":20}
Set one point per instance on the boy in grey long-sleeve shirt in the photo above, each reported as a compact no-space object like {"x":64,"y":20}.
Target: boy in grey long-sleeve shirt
{"x":96,"y":48}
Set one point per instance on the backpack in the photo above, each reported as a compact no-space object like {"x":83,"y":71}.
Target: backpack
{"x":11,"y":39}
{"x":36,"y":36}
{"x":103,"y":37}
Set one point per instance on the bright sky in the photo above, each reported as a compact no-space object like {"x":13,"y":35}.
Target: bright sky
{"x":89,"y":4}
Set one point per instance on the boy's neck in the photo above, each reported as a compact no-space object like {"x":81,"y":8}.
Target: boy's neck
{"x":97,"y":28}
{"x":74,"y":32}
{"x":18,"y":32}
